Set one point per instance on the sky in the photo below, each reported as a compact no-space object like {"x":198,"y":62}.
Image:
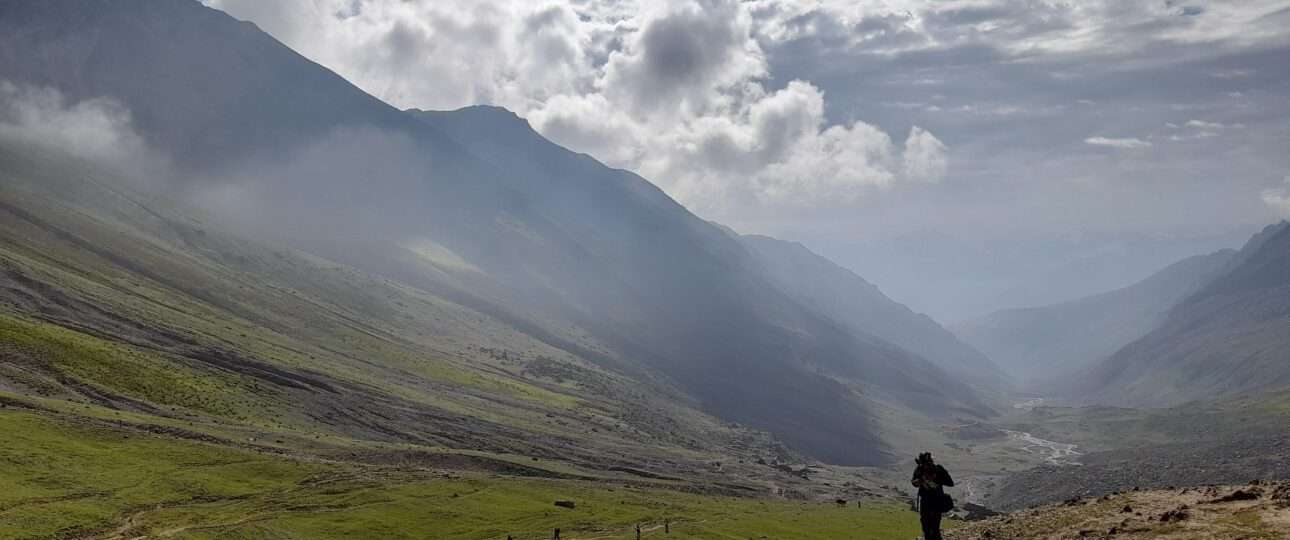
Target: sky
{"x":965,"y":156}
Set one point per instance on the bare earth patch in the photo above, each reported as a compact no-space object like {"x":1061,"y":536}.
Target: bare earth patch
{"x":1260,"y":510}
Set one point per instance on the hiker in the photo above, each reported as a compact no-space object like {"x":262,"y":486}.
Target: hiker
{"x":931,"y":480}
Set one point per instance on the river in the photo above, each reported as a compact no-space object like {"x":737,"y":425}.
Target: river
{"x":1054,"y":453}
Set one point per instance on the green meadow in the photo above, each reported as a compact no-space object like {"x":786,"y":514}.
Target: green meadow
{"x":71,"y":476}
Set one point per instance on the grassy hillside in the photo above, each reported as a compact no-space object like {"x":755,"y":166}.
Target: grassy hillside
{"x":161,"y":376}
{"x":485,"y":225}
{"x":69,"y":475}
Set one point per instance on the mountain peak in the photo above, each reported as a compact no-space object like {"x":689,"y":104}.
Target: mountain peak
{"x":494,"y":115}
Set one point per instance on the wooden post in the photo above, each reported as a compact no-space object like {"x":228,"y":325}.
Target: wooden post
{"x":667,"y":526}
{"x":638,"y":531}
{"x":557,"y":535}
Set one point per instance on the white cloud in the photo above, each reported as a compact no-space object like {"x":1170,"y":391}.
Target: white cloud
{"x":1127,"y":142}
{"x":1200,"y":124}
{"x":677,"y":91}
{"x":98,"y":129}
{"x":1278,"y":199}
{"x":1020,"y":86}
{"x":925,"y":157}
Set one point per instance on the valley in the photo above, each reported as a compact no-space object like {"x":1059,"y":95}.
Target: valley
{"x":1053,"y":453}
{"x":243,"y":297}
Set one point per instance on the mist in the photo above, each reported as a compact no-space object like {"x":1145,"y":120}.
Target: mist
{"x":732,"y":268}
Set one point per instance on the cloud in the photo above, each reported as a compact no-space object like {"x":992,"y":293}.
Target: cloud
{"x":1200,"y":124}
{"x":925,"y":156}
{"x":779,"y":153}
{"x":1278,"y":199}
{"x":315,"y":197}
{"x":98,"y":129}
{"x":827,"y":121}
{"x":678,"y":91}
{"x":685,"y":59}
{"x":1127,"y":142}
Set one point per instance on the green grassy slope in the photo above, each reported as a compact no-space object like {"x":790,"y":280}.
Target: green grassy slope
{"x":186,"y":316}
{"x":71,"y":476}
{"x":161,"y":377}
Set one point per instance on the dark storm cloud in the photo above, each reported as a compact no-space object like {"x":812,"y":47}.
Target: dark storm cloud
{"x":681,"y":53}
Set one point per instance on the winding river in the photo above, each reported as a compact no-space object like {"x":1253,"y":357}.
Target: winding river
{"x":1054,"y":453}
{"x":977,"y":488}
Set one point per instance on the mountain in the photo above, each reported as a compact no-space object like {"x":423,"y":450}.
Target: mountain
{"x":1041,"y":342}
{"x":160,"y":375}
{"x":471,"y":211}
{"x":1228,"y":339}
{"x":863,"y":309}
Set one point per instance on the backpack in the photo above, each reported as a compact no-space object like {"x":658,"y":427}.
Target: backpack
{"x":944,"y":503}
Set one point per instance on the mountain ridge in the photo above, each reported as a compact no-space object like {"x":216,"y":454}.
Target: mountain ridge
{"x":1228,"y":339}
{"x":849,"y":298}
{"x":1043,"y":342}
{"x":511,"y":226}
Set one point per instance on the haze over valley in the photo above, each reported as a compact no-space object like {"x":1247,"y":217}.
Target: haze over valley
{"x":371,"y":269}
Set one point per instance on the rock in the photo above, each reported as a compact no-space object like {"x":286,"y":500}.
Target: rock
{"x":566,"y":504}
{"x":1250,"y":494}
{"x":976,"y":512}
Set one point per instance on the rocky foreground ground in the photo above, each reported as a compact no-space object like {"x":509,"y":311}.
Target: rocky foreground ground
{"x":1259,"y":510}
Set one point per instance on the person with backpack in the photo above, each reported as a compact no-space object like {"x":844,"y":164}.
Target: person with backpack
{"x":931,"y":480}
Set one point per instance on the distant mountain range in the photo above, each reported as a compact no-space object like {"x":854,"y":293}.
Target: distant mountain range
{"x":1230,"y":338}
{"x":471,"y":209}
{"x":863,"y":309}
{"x":1038,"y":343}
{"x":1208,"y":327}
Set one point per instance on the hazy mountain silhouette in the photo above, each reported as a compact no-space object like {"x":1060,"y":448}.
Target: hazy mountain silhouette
{"x":478,"y":208}
{"x":862,"y":308}
{"x":1230,"y":338}
{"x":1040,"y":342}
